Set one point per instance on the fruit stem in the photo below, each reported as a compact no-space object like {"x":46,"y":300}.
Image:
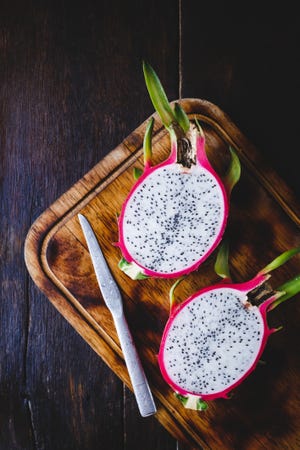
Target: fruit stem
{"x":286,"y":291}
{"x":176,"y":122}
{"x":147,"y":144}
{"x":186,"y":152}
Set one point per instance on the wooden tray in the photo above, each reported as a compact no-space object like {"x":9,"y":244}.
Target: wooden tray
{"x":264,"y":221}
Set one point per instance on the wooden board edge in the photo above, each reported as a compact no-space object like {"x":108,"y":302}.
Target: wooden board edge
{"x":91,"y":336}
{"x":261,"y":168}
{"x":49,"y":219}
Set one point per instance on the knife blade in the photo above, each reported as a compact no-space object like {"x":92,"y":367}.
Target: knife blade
{"x":112,"y":296}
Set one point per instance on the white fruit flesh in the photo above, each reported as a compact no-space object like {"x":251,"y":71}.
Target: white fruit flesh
{"x":213,"y":341}
{"x":173,"y":218}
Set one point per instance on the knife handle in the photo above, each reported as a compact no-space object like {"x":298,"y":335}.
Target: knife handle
{"x":137,"y":376}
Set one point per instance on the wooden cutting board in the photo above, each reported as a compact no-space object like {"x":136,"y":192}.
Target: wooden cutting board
{"x":264,"y":412}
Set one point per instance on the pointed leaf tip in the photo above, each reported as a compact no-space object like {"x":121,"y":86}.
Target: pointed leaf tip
{"x":182,"y":117}
{"x":158,"y":96}
{"x":173,"y":303}
{"x":221,"y":265}
{"x":200,"y":129}
{"x":137,"y":173}
{"x":280,"y":260}
{"x":234,"y":171}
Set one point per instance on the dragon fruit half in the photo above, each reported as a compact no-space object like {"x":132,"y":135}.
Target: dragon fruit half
{"x":214,"y":339}
{"x":176,"y":213}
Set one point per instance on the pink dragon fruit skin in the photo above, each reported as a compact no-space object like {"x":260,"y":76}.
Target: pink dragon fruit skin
{"x":224,"y":355}
{"x":176,"y":213}
{"x":203,"y":165}
{"x":241,"y":288}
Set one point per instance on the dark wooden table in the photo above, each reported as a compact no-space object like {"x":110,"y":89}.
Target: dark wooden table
{"x":71,"y":89}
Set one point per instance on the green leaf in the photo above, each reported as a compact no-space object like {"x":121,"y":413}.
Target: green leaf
{"x":287,"y":290}
{"x":201,"y":132}
{"x":158,"y":95}
{"x":190,"y":401}
{"x":171,"y":292}
{"x":201,"y":405}
{"x":137,"y":173}
{"x":182,"y":118}
{"x":233,"y":173}
{"x":181,"y":398}
{"x":221,"y":265}
{"x":147,"y":143}
{"x":280,"y":260}
{"x":131,"y":269}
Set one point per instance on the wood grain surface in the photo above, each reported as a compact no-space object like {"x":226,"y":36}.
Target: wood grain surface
{"x":264,"y":215}
{"x":71,"y":90}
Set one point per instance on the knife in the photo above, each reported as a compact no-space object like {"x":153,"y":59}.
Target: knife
{"x":112,"y":297}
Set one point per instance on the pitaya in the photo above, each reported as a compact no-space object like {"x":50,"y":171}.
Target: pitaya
{"x":214,"y":339}
{"x":176,"y":213}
